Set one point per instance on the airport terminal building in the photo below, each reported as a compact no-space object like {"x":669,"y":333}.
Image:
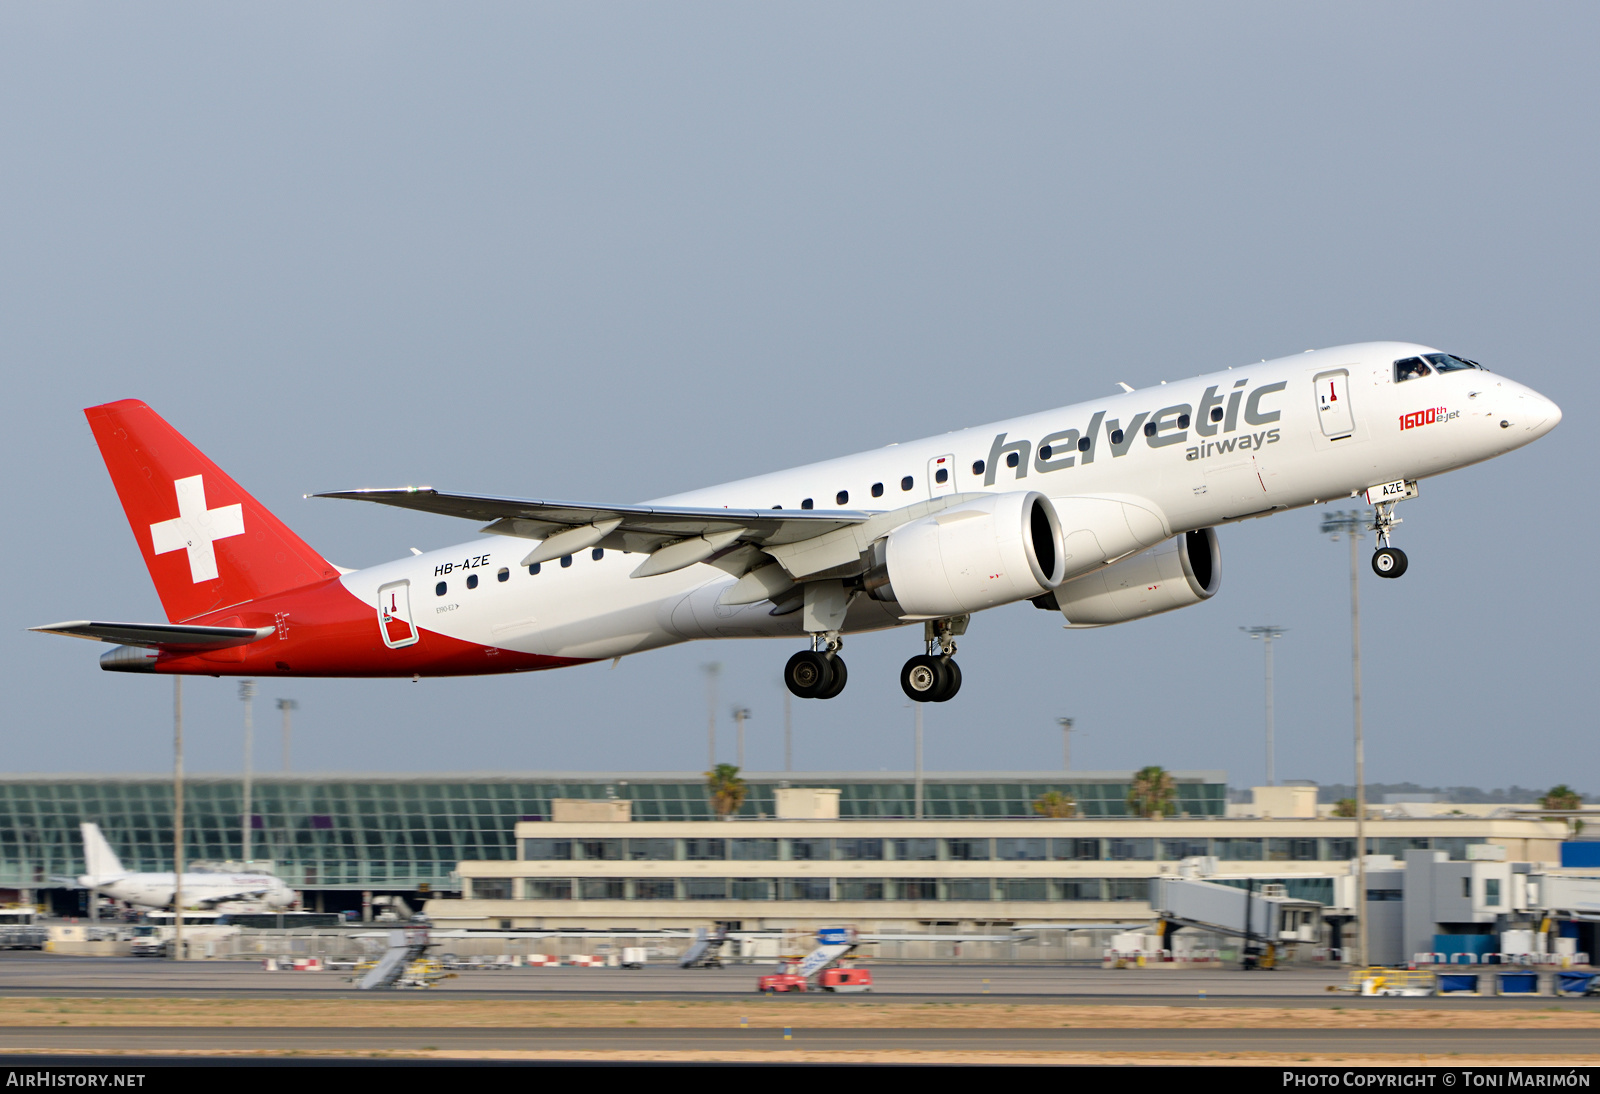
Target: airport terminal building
{"x":335,"y":837}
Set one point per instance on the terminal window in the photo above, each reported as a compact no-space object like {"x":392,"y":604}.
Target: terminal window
{"x":604,"y":888}
{"x":538,"y":850}
{"x":705,"y":850}
{"x":549,"y":888}
{"x":968,"y":850}
{"x":916,"y":850}
{"x":491,"y":888}
{"x":755,"y":850}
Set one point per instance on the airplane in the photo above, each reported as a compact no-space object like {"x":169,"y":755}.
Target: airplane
{"x":1104,"y":511}
{"x":107,"y":875}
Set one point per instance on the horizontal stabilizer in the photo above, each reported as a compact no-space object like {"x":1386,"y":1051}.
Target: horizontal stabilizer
{"x":164,"y":636}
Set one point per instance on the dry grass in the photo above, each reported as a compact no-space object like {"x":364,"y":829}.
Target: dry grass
{"x":762,"y":1012}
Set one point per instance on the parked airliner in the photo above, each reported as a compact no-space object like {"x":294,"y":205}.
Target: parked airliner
{"x":105,"y":874}
{"x":1103,"y":511}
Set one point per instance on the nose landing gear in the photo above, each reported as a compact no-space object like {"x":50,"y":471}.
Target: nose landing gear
{"x":934,"y":676}
{"x":1387,"y":561}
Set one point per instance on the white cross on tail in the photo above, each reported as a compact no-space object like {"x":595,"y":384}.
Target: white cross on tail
{"x":197,"y":528}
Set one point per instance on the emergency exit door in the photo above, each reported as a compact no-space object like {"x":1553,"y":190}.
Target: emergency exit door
{"x":394,"y":615}
{"x":941,"y":475}
{"x":1333,"y":403}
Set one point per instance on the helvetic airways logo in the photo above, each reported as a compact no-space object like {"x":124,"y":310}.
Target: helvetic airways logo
{"x":197,"y":528}
{"x":1427,"y":417}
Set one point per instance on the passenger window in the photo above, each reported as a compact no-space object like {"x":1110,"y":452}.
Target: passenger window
{"x":533,"y":569}
{"x":1012,"y":459}
{"x":438,"y":590}
{"x":598,"y":553}
{"x":1410,"y":368}
{"x":1183,"y":421}
{"x":805,"y":503}
{"x":1046,"y":451}
{"x":905,"y":483}
{"x":1149,"y":429}
{"x":1084,"y":444}
{"x":566,"y":560}
{"x":943,"y":474}
{"x":977,"y":467}
{"x":503,"y":575}
{"x":1216,"y":414}
{"x":472,"y":581}
{"x":877,"y":489}
{"x":1116,"y":436}
{"x":842,"y":497}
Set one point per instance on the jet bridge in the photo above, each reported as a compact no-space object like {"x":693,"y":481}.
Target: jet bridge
{"x":1261,"y":913}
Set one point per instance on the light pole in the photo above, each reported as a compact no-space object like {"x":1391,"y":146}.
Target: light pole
{"x":288,"y":707}
{"x":1266,"y":635}
{"x":711,"y":670}
{"x":1351,"y":525}
{"x":739,"y":715}
{"x":1066,"y":743}
{"x":247,"y":695}
{"x":918,"y":762}
{"x":177,"y":818}
{"x":788,"y":731}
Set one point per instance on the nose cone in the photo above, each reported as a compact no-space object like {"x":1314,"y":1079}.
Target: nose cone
{"x":1541,"y":414}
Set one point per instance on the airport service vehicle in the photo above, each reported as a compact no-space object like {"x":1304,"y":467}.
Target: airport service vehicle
{"x":823,"y":967}
{"x":1103,"y":511}
{"x":837,"y":980}
{"x":200,"y":890}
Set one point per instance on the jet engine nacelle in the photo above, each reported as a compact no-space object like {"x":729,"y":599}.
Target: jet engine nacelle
{"x":981,"y":553}
{"x":1183,"y":570}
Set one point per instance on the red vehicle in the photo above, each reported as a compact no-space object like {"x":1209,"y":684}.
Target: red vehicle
{"x":846,"y":980}
{"x":782,"y":981}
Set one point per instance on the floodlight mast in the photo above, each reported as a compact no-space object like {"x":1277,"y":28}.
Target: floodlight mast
{"x":247,"y":695}
{"x":1351,"y":525}
{"x":1066,"y":743}
{"x":1266,"y":635}
{"x":711,"y":669}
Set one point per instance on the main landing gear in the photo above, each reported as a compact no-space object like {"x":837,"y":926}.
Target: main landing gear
{"x":931,"y":677}
{"x":934,"y":676}
{"x":1387,"y":561}
{"x":817,"y":674}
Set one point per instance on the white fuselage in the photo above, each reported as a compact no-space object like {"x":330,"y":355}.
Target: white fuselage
{"x":155,"y":890}
{"x":1280,"y":444}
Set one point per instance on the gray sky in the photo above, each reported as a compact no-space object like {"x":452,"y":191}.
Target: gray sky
{"x":614,"y":251}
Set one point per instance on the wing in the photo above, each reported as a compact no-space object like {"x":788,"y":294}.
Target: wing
{"x":161,"y":636}
{"x":806,"y":544}
{"x":674,"y":537}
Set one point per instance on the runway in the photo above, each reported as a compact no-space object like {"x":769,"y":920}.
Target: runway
{"x":44,"y":974}
{"x":1441,"y":1042}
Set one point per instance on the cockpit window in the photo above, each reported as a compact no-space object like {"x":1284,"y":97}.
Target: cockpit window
{"x":1444,"y":362}
{"x":1410,"y":369}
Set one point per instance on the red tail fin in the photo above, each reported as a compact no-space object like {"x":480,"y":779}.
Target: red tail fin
{"x":207,"y":543}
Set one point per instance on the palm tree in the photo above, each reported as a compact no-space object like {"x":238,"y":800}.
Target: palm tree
{"x":1561,"y":797}
{"x":1053,"y":803}
{"x":727,"y":790}
{"x":1344,"y":807}
{"x":1153,"y":793}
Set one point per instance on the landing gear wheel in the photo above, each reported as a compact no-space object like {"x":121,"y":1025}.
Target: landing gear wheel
{"x":808,"y":674}
{"x":839,"y":674}
{"x":952,"y":681}
{"x":924,"y":678}
{"x":1389,"y":562}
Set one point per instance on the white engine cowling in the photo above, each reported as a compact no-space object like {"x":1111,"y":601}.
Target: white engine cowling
{"x":994,"y":550}
{"x":1183,"y":570}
